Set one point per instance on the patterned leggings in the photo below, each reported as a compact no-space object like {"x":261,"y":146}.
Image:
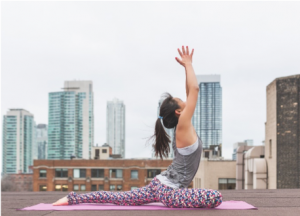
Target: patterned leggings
{"x":155,"y":191}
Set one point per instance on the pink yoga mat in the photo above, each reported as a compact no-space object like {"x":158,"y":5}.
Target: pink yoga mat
{"x":239,"y":205}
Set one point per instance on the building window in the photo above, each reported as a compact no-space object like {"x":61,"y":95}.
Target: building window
{"x":119,"y":187}
{"x":79,"y":173}
{"x":270,"y":148}
{"x":134,"y":174}
{"x":151,"y":173}
{"x":94,"y":188}
{"x":61,"y":187}
{"x":101,"y":187}
{"x":43,"y":188}
{"x":76,"y":187}
{"x":104,"y":150}
{"x":57,"y":187}
{"x":82,"y":187}
{"x":206,"y":154}
{"x":97,"y":173}
{"x":97,"y":153}
{"x":65,"y":187}
{"x":133,"y":187}
{"x":43,"y":173}
{"x":226,"y":183}
{"x":116,"y":173}
{"x":112,"y":187}
{"x":61,"y":173}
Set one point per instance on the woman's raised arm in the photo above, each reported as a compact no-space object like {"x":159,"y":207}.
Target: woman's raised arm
{"x":192,"y":86}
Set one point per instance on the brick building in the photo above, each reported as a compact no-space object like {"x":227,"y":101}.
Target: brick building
{"x":92,"y":175}
{"x":17,"y":182}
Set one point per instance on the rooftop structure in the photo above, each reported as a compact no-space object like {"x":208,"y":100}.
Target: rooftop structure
{"x":282,"y":146}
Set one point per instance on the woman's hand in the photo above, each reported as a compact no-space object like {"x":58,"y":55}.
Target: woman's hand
{"x":186,"y":57}
{"x":62,"y":201}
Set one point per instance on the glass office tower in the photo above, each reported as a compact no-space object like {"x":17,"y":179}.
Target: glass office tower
{"x":207,"y":118}
{"x":71,"y":121}
{"x":18,"y":141}
{"x":115,"y":126}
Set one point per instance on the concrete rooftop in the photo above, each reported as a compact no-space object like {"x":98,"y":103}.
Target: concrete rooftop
{"x":284,"y":202}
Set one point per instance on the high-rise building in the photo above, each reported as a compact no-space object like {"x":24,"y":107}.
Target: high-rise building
{"x":42,"y":140}
{"x":282,"y":146}
{"x":170,"y":132}
{"x":115,"y":126}
{"x":18,"y":141}
{"x":207,"y":118}
{"x":71,"y":121}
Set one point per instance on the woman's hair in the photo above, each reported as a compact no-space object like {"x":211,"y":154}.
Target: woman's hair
{"x":162,"y":139}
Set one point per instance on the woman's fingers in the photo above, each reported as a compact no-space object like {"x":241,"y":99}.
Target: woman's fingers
{"x":177,"y":59}
{"x":187,"y":50}
{"x":179,"y":52}
{"x":185,"y":54}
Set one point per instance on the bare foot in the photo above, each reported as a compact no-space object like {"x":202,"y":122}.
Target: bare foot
{"x":62,"y":201}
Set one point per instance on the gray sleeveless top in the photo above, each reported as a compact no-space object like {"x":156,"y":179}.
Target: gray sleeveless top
{"x":184,"y":167}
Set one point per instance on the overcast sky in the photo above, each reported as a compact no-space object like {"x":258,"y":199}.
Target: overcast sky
{"x":128,"y":50}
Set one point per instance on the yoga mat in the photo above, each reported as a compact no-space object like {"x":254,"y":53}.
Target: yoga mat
{"x":226,"y":205}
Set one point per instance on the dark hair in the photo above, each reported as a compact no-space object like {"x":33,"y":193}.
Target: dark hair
{"x":170,"y":120}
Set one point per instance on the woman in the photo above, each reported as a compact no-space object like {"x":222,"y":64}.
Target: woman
{"x":169,"y":187}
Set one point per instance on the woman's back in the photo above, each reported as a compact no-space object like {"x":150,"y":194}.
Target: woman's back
{"x":184,"y":166}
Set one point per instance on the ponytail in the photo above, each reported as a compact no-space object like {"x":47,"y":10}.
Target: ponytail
{"x":169,"y":120}
{"x":162,"y":140}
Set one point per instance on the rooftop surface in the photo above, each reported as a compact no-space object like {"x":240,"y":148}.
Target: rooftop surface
{"x":284,"y":202}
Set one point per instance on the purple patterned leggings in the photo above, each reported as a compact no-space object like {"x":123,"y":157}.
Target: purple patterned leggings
{"x":155,"y":191}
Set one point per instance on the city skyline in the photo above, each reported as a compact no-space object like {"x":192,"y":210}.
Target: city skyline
{"x":248,"y":43}
{"x":68,"y":88}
